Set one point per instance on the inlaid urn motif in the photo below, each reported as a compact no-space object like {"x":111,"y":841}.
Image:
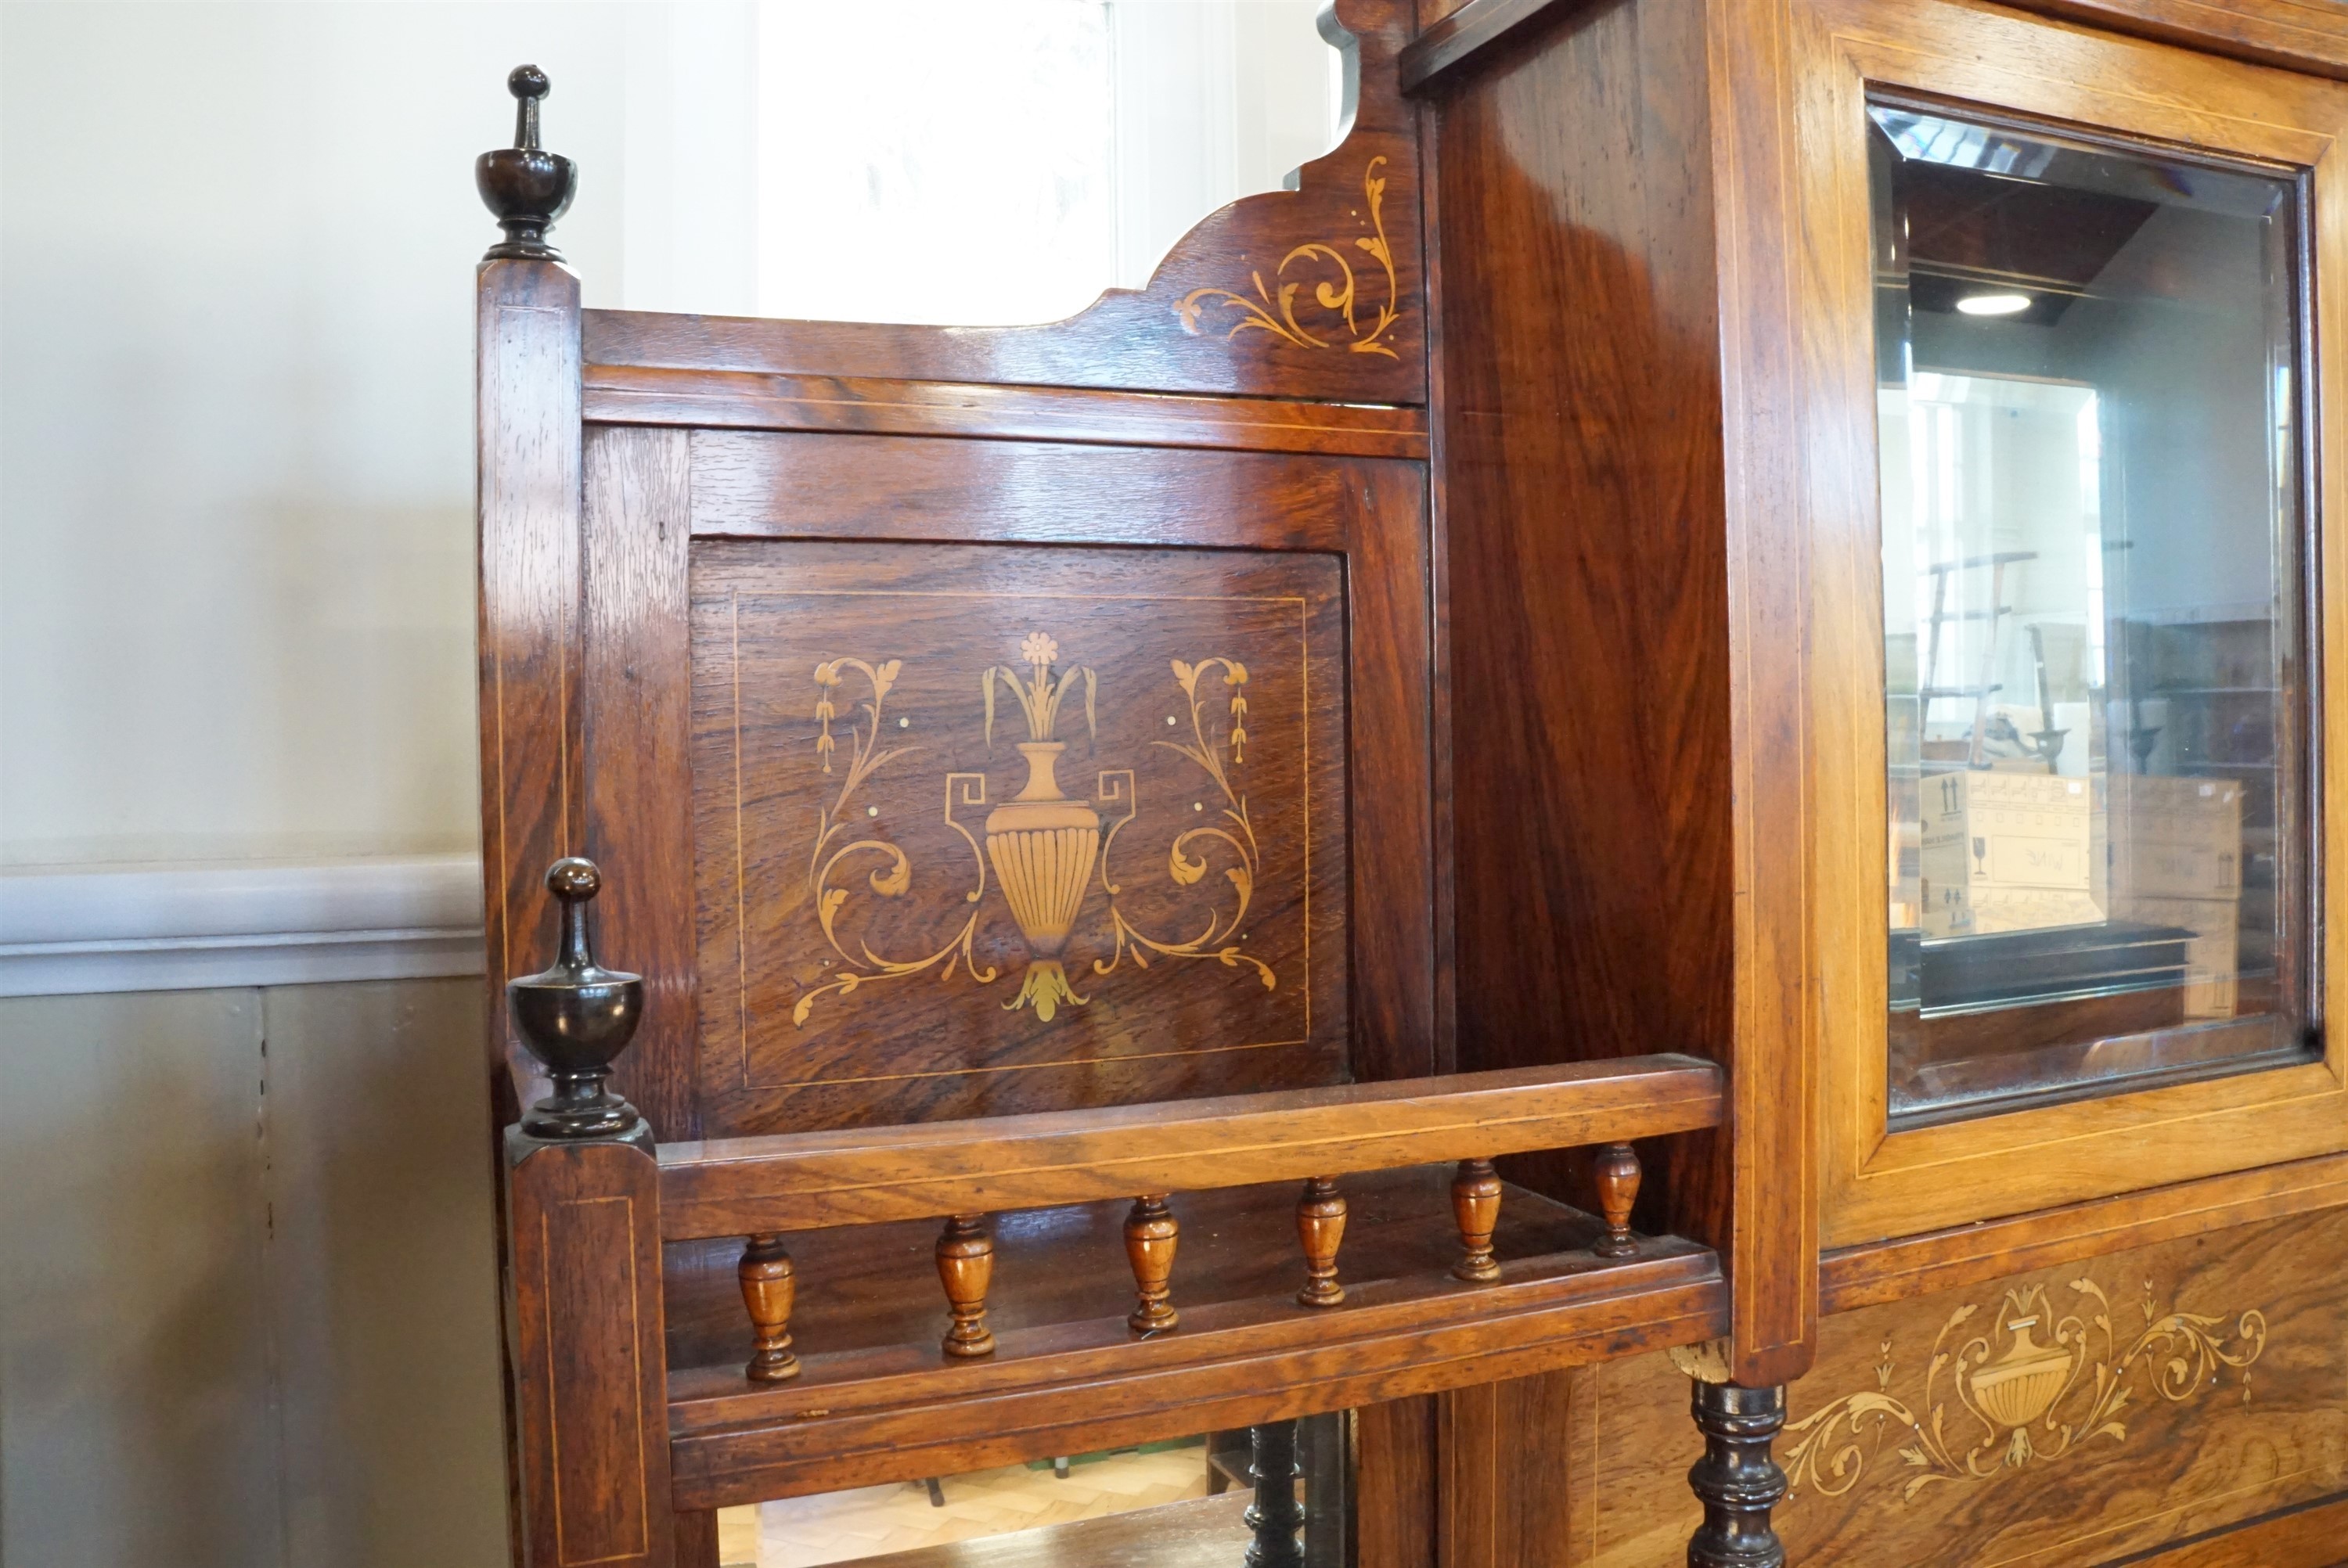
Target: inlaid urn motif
{"x":2018,"y":1386}
{"x":2011,"y":1399}
{"x":1045,"y":851}
{"x":1041,"y":843}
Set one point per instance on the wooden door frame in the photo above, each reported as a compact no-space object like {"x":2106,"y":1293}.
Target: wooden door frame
{"x":1875,"y":1183}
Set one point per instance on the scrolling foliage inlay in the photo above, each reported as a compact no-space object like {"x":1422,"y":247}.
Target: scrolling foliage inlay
{"x":983,"y":829}
{"x":1337,"y":291}
{"x":2040,"y":1381}
{"x":1043,"y":845}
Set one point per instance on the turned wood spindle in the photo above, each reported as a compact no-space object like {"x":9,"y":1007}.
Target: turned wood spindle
{"x":1274,"y":1516}
{"x":1150,"y":1233}
{"x":1618,"y":1189}
{"x":966,"y":1266}
{"x":1475,"y":1206}
{"x":768,"y":1290}
{"x":1320,"y":1226}
{"x":1738,"y":1479}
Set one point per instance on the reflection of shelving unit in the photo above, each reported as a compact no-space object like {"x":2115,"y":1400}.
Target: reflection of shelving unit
{"x":1929,"y":691}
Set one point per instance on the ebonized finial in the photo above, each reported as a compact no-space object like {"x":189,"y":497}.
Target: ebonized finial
{"x":576,"y":1018}
{"x":525,"y":187}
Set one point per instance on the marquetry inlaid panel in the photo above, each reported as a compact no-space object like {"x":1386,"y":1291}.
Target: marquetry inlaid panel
{"x":2060,"y":1418}
{"x":990,"y":829}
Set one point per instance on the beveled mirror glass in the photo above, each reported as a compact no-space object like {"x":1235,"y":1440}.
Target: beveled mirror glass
{"x":2095,"y":592}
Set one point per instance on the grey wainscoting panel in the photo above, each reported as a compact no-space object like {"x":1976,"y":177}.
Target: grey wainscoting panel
{"x":136,"y":1418}
{"x":248,"y":1310}
{"x":383,"y":1275}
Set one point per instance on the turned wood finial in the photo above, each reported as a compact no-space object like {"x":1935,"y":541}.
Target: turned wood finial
{"x":1151,"y":1233}
{"x":576,"y":1018}
{"x":1475,"y":1208}
{"x":1618,"y":1189}
{"x":768,"y":1290}
{"x":966,"y":1267}
{"x":1320,"y":1227}
{"x":525,"y":187}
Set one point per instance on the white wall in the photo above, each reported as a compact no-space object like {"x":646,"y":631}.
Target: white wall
{"x":235,"y":413}
{"x":237,"y":241}
{"x":248,"y":1311}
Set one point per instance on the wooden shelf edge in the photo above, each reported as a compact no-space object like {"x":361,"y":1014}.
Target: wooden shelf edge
{"x":2305,"y":1535}
{"x":1468,"y":34}
{"x":1048,"y":1391}
{"x":2290,"y":34}
{"x":767,"y":399}
{"x":1873,"y":1273}
{"x":736,"y":1186}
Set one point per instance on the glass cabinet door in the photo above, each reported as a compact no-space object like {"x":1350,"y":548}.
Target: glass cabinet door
{"x":2096,"y":611}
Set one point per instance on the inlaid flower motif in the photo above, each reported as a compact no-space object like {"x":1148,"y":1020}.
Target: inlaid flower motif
{"x":1039,"y":649}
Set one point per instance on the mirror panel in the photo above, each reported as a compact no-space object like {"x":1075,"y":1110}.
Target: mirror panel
{"x":2095,"y":572}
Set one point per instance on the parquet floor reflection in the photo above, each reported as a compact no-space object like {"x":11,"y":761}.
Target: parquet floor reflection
{"x":844,"y":1526}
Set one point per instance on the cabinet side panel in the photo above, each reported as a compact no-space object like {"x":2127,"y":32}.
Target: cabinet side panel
{"x":1586,"y":562}
{"x":2094,"y":1412}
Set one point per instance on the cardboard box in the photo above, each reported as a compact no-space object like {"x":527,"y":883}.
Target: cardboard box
{"x":2174,"y":838}
{"x":2006,"y":852}
{"x":2212,"y":958}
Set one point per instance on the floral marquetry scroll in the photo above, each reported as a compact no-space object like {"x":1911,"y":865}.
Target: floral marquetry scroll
{"x":1322,"y":273}
{"x":2030,"y":1381}
{"x":2064,"y":1416}
{"x":984,"y":830}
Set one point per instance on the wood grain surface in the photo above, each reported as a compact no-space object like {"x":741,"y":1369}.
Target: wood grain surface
{"x":1358,"y":521}
{"x":584,"y":1310}
{"x":805,"y":1181}
{"x":1371,"y":513}
{"x":1504,"y":1449}
{"x":2180,"y":1443}
{"x":527,"y":390}
{"x":1396,"y":1448}
{"x":1878,"y":1272}
{"x":636,"y":700}
{"x":740,"y":400}
{"x":2299,"y":35}
{"x":2314,"y":1536}
{"x":1627,"y":829}
{"x":1469,"y":37}
{"x":867,"y":956}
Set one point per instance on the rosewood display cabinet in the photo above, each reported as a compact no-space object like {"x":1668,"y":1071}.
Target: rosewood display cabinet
{"x":1662,"y":746}
{"x":1890,"y":451}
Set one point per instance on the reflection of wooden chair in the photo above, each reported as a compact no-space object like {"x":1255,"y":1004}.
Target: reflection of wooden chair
{"x":1007,"y":759}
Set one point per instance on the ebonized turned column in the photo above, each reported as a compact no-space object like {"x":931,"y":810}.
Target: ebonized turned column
{"x":1275,"y":1515}
{"x":1737,"y":1479}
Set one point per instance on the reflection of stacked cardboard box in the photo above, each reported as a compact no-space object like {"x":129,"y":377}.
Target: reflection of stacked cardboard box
{"x":2176,"y":860}
{"x":2006,"y":852}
